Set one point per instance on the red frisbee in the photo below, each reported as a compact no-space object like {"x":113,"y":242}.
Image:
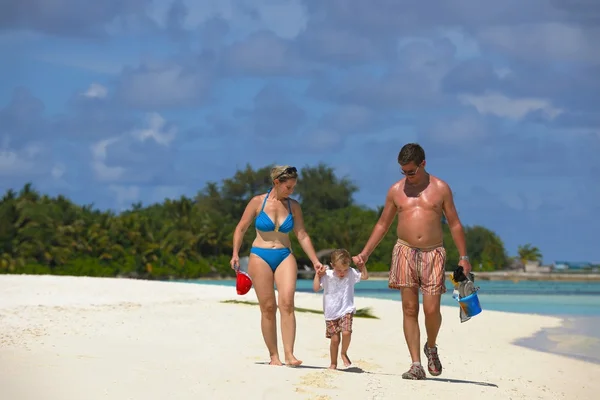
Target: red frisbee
{"x":243,"y":282}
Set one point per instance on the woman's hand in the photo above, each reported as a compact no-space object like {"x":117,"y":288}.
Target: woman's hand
{"x":319,"y":268}
{"x":235,"y":262}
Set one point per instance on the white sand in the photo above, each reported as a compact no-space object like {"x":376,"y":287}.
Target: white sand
{"x":64,"y":338}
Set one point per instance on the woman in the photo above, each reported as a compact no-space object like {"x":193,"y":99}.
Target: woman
{"x":271,"y":259}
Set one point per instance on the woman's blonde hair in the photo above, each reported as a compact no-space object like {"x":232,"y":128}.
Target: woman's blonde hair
{"x":283,"y":173}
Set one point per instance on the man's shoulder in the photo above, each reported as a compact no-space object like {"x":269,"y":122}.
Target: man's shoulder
{"x":439,"y":183}
{"x":396,"y":187}
{"x":399,"y":184}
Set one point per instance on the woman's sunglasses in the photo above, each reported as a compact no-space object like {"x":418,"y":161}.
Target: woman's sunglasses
{"x":287,"y":171}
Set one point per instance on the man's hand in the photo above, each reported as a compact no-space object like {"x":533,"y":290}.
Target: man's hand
{"x":466,"y":266}
{"x":361,"y":261}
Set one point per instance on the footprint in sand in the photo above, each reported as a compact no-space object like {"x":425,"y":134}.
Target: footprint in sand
{"x":321,"y":380}
{"x":366,"y":365}
{"x":374,"y":388}
{"x":313,"y":396}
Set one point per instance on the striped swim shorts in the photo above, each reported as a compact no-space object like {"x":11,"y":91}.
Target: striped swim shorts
{"x":415,"y":267}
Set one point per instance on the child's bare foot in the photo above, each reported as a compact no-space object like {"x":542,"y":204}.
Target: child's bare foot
{"x":275,"y":361}
{"x":346,"y":360}
{"x":333,"y":366}
{"x":292,"y":361}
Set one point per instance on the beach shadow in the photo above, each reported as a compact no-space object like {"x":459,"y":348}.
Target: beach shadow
{"x":353,"y":370}
{"x":447,"y":380}
{"x":302,"y":366}
{"x":358,"y":370}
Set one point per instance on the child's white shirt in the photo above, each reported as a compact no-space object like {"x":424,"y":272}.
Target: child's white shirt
{"x":338,"y":293}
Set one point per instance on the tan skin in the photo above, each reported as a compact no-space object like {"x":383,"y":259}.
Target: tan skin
{"x":285,"y":275}
{"x":419,"y":200}
{"x":340,"y":270}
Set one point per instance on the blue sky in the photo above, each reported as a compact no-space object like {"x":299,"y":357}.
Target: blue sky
{"x":121,"y":101}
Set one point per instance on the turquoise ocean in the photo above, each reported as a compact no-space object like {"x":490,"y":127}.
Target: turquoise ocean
{"x":576,"y":303}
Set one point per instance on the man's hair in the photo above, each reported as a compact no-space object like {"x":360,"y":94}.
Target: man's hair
{"x":411,"y":152}
{"x":340,"y":256}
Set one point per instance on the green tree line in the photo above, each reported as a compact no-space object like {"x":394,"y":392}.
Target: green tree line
{"x":188,"y":238}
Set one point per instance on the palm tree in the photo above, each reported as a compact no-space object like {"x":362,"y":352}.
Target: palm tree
{"x":529,"y":253}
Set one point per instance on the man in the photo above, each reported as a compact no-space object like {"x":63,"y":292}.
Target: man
{"x":419,"y":255}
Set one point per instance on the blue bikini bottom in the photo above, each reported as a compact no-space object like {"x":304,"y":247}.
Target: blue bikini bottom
{"x":273,"y":257}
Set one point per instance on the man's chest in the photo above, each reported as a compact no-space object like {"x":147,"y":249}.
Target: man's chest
{"x":427,"y":199}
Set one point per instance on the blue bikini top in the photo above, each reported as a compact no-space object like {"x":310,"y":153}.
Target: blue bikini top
{"x":264,"y":223}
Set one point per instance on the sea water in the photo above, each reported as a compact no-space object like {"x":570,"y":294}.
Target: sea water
{"x":563,"y":299}
{"x":577,"y":303}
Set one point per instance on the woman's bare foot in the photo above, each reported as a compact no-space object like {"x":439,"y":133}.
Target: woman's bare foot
{"x":292,"y":361}
{"x":275,"y":361}
{"x":333,"y":366}
{"x":346,"y":360}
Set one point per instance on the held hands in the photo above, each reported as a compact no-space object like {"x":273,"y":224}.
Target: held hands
{"x":361,"y":261}
{"x":364,"y":275}
{"x":319,"y":268}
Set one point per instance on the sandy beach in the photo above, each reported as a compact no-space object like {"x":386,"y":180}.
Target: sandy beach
{"x":64,"y":338}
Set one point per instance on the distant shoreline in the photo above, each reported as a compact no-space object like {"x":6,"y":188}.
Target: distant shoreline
{"x":482,"y":276}
{"x":519,"y":276}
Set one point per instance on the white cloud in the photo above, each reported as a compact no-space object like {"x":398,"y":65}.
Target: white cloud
{"x":99,"y":148}
{"x":99,"y":152}
{"x":58,"y":170}
{"x":21,"y":162}
{"x":96,"y":91}
{"x":503,"y":106}
{"x":466,"y":45}
{"x":156,"y":131}
{"x":13,"y":163}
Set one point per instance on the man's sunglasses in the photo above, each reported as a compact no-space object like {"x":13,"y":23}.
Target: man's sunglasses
{"x":410,"y":173}
{"x":287,"y":171}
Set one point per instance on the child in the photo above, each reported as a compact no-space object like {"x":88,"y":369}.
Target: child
{"x":338,"y":301}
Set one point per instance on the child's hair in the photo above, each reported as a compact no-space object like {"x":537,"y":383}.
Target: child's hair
{"x":340,"y":257}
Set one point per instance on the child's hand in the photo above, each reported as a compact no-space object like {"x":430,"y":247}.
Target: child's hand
{"x":364,"y":275}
